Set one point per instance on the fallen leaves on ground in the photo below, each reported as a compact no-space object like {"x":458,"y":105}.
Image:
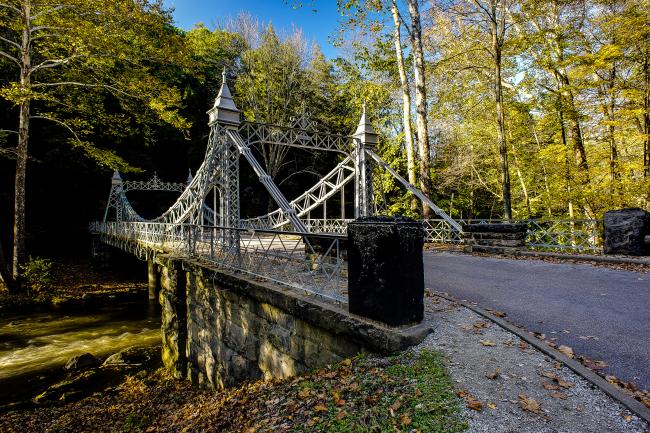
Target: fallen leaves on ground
{"x":530,"y":404}
{"x":559,"y":395}
{"x":345,"y":397}
{"x":592,"y":364}
{"x":523,"y":345}
{"x":494,"y":375}
{"x":566,"y":350}
{"x":560,"y":382}
{"x":470,"y":401}
{"x":631,"y":389}
{"x":488,"y":343}
{"x":496,"y":312}
{"x":480,"y":325}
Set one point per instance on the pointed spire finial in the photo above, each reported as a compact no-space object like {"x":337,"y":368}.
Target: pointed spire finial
{"x":116,"y":177}
{"x":224,"y":109}
{"x":189,"y":176}
{"x":365,"y":132}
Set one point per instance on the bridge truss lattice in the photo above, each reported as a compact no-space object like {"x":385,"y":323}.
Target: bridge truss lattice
{"x":210,"y":200}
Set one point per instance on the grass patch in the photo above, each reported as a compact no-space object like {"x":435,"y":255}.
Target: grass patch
{"x":404,"y":393}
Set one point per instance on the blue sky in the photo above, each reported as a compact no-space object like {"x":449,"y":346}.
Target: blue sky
{"x":316,"y":25}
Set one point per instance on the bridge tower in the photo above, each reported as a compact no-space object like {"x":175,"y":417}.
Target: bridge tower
{"x":365,"y":137}
{"x":225,"y":115}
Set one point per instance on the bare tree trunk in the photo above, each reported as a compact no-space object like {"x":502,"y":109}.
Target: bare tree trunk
{"x":22,"y":148}
{"x":406,"y":104}
{"x":497,"y":46}
{"x":645,"y":124}
{"x":420,"y":103}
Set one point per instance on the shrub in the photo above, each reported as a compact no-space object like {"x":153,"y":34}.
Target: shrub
{"x":36,"y":273}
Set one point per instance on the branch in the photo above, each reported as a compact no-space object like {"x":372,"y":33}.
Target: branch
{"x":48,"y":11}
{"x":51,"y":64}
{"x":39,"y":28}
{"x":307,"y":170}
{"x":65,"y":125}
{"x":46,"y":35}
{"x":10,"y":57}
{"x":480,"y":179}
{"x":14,"y":8}
{"x":9,"y":41}
{"x":8,"y":131}
{"x":78,"y":84}
{"x":8,"y":153}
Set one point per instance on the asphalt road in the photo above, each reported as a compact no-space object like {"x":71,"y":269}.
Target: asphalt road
{"x":563,"y":301}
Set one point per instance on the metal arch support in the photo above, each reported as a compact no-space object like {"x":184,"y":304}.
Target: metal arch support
{"x":315,"y":196}
{"x":265,"y":133}
{"x":266,"y":180}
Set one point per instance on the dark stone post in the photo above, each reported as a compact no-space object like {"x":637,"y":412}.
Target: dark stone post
{"x":385,"y":270}
{"x":625,"y":232}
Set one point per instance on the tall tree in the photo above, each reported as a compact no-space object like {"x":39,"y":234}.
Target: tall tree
{"x":406,"y":100}
{"x":109,"y":46}
{"x":420,"y":102}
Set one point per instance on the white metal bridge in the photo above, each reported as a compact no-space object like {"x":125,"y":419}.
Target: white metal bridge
{"x":285,"y":245}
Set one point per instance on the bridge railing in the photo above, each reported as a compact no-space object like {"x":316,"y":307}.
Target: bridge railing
{"x":316,"y":263}
{"x":584,"y":235}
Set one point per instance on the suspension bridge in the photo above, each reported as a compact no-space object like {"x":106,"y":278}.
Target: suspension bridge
{"x":285,"y":246}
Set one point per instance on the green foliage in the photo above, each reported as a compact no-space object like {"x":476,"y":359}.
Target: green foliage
{"x":106,"y":57}
{"x":413,"y":393}
{"x":36,"y":274}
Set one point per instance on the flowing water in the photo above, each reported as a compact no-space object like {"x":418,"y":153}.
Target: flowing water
{"x":34,"y":346}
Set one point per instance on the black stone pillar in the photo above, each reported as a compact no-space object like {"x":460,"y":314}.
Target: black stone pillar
{"x":385,"y":270}
{"x":624,"y":232}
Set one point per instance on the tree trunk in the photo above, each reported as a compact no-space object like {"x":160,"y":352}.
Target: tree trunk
{"x":19,"y":252}
{"x":567,"y":162}
{"x":420,"y":103}
{"x":520,"y":176}
{"x":573,"y":118}
{"x":646,"y":116}
{"x":497,"y":46}
{"x":406,"y":105}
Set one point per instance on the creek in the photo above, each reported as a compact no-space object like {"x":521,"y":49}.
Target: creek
{"x":35,"y":346}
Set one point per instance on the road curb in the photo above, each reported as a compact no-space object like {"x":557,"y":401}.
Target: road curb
{"x":587,"y":257}
{"x":630,"y":403}
{"x":643,"y":261}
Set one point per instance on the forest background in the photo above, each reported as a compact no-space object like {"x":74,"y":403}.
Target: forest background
{"x":494,"y":108}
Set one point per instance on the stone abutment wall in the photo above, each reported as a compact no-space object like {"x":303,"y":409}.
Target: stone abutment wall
{"x":220,"y":329}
